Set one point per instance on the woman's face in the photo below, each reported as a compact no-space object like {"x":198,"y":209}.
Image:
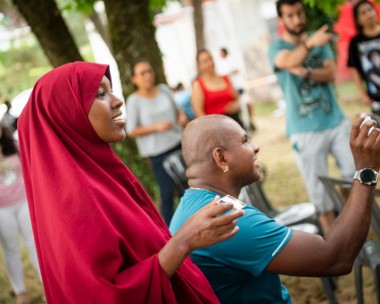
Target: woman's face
{"x":143,"y":77}
{"x":105,"y":114}
{"x":205,"y":63}
{"x":367,"y":15}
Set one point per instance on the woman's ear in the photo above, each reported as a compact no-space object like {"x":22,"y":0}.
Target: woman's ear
{"x":219,"y":158}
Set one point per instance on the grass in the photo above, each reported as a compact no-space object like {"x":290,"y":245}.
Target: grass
{"x":283,"y":185}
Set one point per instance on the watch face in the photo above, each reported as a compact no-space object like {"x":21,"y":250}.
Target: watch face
{"x":367,"y":176}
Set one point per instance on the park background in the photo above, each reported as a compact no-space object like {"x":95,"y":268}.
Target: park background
{"x":168,"y":35}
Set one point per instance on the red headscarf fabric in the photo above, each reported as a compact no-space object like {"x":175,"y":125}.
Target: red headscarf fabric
{"x":96,"y":230}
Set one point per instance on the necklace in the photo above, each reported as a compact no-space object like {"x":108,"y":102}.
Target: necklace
{"x":195,"y":188}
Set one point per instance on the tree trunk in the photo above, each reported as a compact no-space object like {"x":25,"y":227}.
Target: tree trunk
{"x":198,"y":24}
{"x":47,"y":24}
{"x":100,"y":27}
{"x":132,"y":37}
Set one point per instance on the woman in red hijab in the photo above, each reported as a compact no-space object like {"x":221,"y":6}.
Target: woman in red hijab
{"x":98,"y":235}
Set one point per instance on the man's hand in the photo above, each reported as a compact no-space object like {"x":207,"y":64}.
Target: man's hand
{"x":365,"y":148}
{"x":320,"y":37}
{"x":299,"y":71}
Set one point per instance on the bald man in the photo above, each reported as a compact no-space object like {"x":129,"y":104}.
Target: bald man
{"x":245,"y":269}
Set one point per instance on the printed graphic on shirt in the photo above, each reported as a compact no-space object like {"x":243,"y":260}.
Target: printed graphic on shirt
{"x":369,"y":54}
{"x":313,"y":97}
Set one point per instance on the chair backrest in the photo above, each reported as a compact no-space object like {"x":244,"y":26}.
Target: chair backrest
{"x":333,"y":186}
{"x":258,"y":198}
{"x":175,"y":166}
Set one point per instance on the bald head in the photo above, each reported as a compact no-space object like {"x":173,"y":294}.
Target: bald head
{"x":203,"y":135}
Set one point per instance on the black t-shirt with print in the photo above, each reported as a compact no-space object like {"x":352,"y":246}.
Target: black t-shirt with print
{"x":364,"y":55}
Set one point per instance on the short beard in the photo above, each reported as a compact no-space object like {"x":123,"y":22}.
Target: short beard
{"x":294,"y":33}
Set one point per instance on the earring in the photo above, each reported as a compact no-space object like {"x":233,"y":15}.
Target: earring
{"x":226,"y":169}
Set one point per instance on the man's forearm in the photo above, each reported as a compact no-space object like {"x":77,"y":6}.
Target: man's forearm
{"x":351,"y":227}
{"x":293,"y":58}
{"x":322,"y":75}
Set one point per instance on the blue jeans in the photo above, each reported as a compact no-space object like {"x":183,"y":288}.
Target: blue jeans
{"x":166,"y":184}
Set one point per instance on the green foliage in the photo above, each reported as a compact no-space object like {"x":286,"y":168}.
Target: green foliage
{"x":316,"y":17}
{"x":24,"y":61}
{"x":82,"y":6}
{"x":156,"y":6}
{"x":21,"y":66}
{"x":320,"y":12}
{"x":86,"y":6}
{"x":327,"y":7}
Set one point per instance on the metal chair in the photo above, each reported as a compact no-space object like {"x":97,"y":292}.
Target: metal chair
{"x":295,"y":214}
{"x":369,"y":255}
{"x":175,"y":166}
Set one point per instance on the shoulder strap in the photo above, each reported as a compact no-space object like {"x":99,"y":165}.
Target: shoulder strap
{"x":202,"y":84}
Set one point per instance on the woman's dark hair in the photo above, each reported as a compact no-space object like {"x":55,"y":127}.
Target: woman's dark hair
{"x":280,"y":3}
{"x":142,"y":60}
{"x":8,"y":146}
{"x":359,"y":28}
{"x":200,"y":52}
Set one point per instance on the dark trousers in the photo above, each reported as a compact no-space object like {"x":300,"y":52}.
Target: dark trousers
{"x":165,"y":183}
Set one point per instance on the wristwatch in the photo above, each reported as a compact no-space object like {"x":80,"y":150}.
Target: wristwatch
{"x":366,"y":176}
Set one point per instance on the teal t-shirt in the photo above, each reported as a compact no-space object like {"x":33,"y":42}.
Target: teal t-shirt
{"x":310,"y":106}
{"x":235,"y":268}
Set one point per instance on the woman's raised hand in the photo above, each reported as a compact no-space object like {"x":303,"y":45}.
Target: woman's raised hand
{"x":208,"y":226}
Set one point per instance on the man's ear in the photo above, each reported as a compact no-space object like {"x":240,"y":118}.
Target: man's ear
{"x":219,"y":157}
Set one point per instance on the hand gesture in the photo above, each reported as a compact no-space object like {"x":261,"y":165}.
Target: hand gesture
{"x":209,"y":226}
{"x":299,"y":71}
{"x":320,"y":37}
{"x":365,"y":147}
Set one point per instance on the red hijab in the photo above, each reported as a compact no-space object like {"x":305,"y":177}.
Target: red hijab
{"x":97,"y":232}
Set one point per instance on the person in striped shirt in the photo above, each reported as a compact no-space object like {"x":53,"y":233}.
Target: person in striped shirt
{"x":14,"y":216}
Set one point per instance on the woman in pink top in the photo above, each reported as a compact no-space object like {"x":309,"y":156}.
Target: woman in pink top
{"x":213,"y":94}
{"x":14,"y":216}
